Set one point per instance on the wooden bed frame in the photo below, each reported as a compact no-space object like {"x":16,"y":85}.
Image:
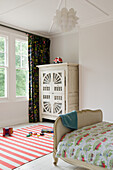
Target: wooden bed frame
{"x":85,"y":118}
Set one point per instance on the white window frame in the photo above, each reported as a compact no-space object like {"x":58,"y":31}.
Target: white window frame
{"x":22,"y":68}
{"x":11,"y":36}
{"x":6,"y":67}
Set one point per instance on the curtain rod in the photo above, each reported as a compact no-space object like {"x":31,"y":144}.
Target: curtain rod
{"x":20,"y":30}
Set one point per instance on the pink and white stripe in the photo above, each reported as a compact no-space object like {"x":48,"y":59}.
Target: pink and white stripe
{"x":19,"y":149}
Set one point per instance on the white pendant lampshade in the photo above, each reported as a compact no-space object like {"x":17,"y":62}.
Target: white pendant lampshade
{"x":65,"y":19}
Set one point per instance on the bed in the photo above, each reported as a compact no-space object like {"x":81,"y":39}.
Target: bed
{"x":91,"y":128}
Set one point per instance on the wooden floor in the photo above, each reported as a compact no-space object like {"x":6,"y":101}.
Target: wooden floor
{"x":46,"y":163}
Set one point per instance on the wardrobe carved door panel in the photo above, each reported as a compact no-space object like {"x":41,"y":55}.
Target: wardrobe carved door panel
{"x":53,"y":88}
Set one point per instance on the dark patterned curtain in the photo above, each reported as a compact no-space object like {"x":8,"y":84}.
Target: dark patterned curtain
{"x":38,"y":53}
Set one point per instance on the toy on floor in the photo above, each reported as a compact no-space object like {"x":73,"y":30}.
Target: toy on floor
{"x":50,"y":130}
{"x":7,"y":131}
{"x":42,"y":134}
{"x":30,"y":133}
{"x":34,"y":133}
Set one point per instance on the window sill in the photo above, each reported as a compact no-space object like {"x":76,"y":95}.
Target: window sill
{"x":3,"y":99}
{"x":20,"y":99}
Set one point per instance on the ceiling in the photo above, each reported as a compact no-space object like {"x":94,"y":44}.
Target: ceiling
{"x":37,"y":15}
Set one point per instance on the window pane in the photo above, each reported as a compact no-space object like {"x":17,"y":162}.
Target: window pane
{"x":2,"y":44}
{"x":18,"y":61}
{"x":2,"y":82}
{"x":2,"y":59}
{"x":21,"y":82}
{"x":24,"y":61}
{"x":21,"y":65}
{"x":24,"y":48}
{"x":17,"y":47}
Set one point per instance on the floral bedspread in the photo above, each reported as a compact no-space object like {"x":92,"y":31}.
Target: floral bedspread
{"x":92,"y":144}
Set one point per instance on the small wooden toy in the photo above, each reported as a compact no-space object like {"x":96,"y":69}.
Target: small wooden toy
{"x":28,"y":135}
{"x":42,"y":134}
{"x":7,"y":131}
{"x":35,"y":133}
{"x":38,"y":135}
{"x":47,"y":130}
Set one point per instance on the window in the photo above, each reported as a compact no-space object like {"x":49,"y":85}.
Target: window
{"x":3,"y":66}
{"x":21,"y":57}
{"x":14,"y":72}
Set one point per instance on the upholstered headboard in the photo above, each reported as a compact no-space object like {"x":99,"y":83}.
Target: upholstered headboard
{"x":89,"y":117}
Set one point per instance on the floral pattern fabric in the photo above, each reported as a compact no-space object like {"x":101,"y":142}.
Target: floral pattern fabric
{"x":38,"y":54}
{"x":92,"y":144}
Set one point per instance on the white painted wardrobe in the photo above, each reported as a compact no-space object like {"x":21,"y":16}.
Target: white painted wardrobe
{"x":58,"y":89}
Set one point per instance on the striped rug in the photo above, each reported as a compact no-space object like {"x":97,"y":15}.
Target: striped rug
{"x":19,"y":149}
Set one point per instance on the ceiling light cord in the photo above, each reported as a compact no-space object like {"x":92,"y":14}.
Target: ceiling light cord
{"x":59,"y":5}
{"x":65,"y":3}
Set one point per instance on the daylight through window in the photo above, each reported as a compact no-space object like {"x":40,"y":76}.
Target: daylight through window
{"x":3,"y":66}
{"x":21,"y":57}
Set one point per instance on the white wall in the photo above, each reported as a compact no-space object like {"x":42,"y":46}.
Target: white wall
{"x":66,"y":47}
{"x":96,"y":68}
{"x":12,"y":110}
{"x":12,"y":113}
